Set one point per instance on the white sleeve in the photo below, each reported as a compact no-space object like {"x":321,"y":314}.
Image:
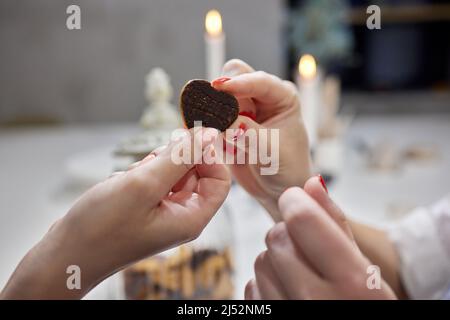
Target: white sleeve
{"x":422,"y":240}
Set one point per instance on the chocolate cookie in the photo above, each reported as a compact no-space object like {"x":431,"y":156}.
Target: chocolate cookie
{"x":201,"y":102}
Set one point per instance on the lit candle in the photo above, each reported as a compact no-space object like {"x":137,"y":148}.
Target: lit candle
{"x":214,"y":44}
{"x":308,"y":81}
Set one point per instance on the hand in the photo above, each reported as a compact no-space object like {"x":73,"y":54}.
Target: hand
{"x":154,"y":206}
{"x":272,"y":103}
{"x":312,"y":254}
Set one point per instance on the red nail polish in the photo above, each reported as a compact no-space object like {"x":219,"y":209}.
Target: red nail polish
{"x":322,"y":182}
{"x":248,"y":114}
{"x":219,"y":81}
{"x":243,"y":127}
{"x":240,"y":132}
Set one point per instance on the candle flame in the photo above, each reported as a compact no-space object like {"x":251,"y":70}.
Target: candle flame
{"x":213,"y":23}
{"x":307,"y":66}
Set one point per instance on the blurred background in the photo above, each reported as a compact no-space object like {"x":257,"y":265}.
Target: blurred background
{"x":75,"y":105}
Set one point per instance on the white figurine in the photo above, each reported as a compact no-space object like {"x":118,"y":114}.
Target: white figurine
{"x":160,"y":113}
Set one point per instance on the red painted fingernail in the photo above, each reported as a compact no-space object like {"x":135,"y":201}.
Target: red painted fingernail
{"x":322,"y":182}
{"x":240,"y":132}
{"x":248,"y":114}
{"x":219,"y":81}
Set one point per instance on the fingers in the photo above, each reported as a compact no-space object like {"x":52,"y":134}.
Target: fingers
{"x":245,"y":122}
{"x":316,"y":190}
{"x":243,"y":133}
{"x":206,"y":186}
{"x":159,"y":175}
{"x":116,"y":174}
{"x":251,"y":291}
{"x":268,"y":89}
{"x":149,"y":157}
{"x":153,"y":154}
{"x":235,"y":67}
{"x":214,"y":181}
{"x":187,"y":183}
{"x":297,"y":278}
{"x":266,"y":279}
{"x":321,"y":241}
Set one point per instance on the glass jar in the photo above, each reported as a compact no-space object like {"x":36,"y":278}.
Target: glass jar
{"x":201,"y":269}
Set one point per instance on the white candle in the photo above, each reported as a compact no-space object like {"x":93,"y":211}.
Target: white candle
{"x":308,"y":81}
{"x":214,"y":45}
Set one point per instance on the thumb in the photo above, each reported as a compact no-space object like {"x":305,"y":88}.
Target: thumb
{"x":236,"y":67}
{"x":232,"y":68}
{"x":180,"y":156}
{"x":316,"y":188}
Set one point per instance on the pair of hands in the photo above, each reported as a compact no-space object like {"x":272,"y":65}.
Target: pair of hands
{"x":158,"y":204}
{"x":312,"y":253}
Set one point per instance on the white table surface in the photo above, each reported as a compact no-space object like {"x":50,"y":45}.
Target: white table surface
{"x":35,"y":191}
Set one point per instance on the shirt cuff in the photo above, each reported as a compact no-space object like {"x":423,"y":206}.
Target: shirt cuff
{"x":425,"y":262}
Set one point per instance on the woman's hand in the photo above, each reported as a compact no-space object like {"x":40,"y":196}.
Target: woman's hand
{"x":266,"y":101}
{"x":154,"y":206}
{"x":312,"y":254}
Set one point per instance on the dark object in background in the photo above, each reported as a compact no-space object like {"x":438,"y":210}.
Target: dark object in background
{"x":187,"y":274}
{"x":201,"y":102}
{"x":393,"y":57}
{"x":410,"y":51}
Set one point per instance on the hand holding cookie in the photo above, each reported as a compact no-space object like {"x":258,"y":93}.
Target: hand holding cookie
{"x":267,"y":102}
{"x":155,"y":205}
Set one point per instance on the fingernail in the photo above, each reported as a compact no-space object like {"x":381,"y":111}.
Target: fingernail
{"x":219,"y":81}
{"x":248,"y":114}
{"x":322,"y":182}
{"x":243,"y":127}
{"x":240,"y":132}
{"x":277,"y":236}
{"x":148,"y":158}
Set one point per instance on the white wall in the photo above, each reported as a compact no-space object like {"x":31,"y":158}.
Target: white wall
{"x":96,"y":73}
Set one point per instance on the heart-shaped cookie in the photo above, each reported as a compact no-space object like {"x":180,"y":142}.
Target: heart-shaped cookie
{"x":199,"y":101}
